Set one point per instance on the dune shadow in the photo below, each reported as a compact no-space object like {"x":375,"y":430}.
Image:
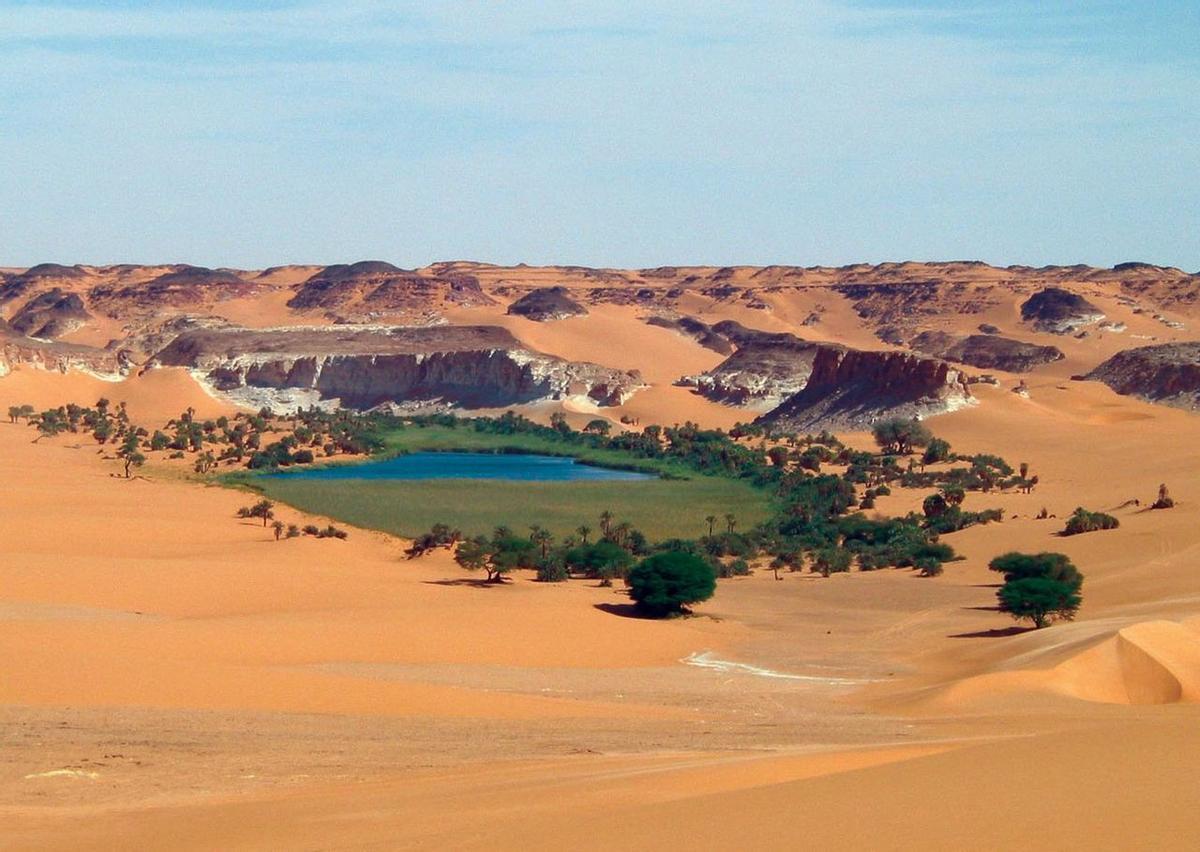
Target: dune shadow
{"x":469,"y":582}
{"x":624,"y":610}
{"x":994,"y":633}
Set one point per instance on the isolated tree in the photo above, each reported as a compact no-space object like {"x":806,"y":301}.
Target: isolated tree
{"x":606,"y":522}
{"x":730,"y":523}
{"x":1040,"y":599}
{"x":598,"y":427}
{"x":133,"y":460}
{"x":279,"y":527}
{"x":779,"y":456}
{"x":664,"y":584}
{"x":898,"y":436}
{"x":1042,"y":587}
{"x":710,"y":520}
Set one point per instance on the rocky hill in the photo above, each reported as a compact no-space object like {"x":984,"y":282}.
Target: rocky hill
{"x":546,"y":304}
{"x":1059,"y":311}
{"x":986,"y":351}
{"x":50,"y":314}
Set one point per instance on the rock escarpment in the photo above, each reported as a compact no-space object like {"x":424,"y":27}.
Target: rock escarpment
{"x":1167,"y":374}
{"x":469,"y":366}
{"x":1059,"y":311}
{"x":698,"y":330}
{"x":546,"y":304}
{"x":50,"y":314}
{"x":764,"y":369}
{"x":986,"y":351}
{"x":850,"y":389}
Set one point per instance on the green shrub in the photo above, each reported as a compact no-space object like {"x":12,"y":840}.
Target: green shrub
{"x":664,"y":584}
{"x":1082,"y":521}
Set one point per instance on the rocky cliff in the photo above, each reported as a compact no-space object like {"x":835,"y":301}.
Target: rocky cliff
{"x":469,"y":366}
{"x":850,"y":389}
{"x":1168,"y":374}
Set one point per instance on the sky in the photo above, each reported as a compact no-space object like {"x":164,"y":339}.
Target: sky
{"x":623,"y":134}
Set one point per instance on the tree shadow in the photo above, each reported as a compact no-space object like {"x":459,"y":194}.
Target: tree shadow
{"x":469,"y":582}
{"x":994,"y":633}
{"x":986,"y":585}
{"x":983,"y":608}
{"x":624,"y":610}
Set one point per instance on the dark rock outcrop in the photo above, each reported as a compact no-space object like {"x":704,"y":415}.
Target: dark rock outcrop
{"x":851,"y":389}
{"x":184,"y":287}
{"x":698,"y":330}
{"x":1059,"y":311}
{"x":986,"y":351}
{"x":17,"y":285}
{"x":50,"y":314}
{"x":470,"y":366}
{"x":547,"y":303}
{"x":1168,"y":373}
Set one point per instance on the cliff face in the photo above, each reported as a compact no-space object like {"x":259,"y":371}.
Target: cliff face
{"x":469,"y":366}
{"x":1168,"y":374}
{"x":851,"y":389}
{"x":986,"y":351}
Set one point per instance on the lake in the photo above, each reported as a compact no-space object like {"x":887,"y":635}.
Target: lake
{"x":528,"y":468}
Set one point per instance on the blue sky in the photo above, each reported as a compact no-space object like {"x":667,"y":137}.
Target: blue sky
{"x":600,"y":133}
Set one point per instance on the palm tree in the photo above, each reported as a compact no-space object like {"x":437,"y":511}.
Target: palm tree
{"x":606,"y":522}
{"x":584,"y":531}
{"x":730,"y":522}
{"x":711,"y":519}
{"x":621,"y":532}
{"x":542,"y":538}
{"x":279,"y":527}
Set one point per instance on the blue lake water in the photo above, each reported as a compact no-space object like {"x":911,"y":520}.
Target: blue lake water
{"x":530,"y":468}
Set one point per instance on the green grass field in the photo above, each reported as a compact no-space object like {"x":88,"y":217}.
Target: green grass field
{"x":659,"y":508}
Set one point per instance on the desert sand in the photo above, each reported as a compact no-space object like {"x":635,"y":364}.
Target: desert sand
{"x":175,"y":678}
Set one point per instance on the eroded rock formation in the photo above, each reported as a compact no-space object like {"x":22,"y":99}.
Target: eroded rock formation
{"x":1168,"y":374}
{"x":470,"y":366}
{"x":986,"y":351}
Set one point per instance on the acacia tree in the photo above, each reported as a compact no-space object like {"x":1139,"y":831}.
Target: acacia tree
{"x":898,"y":436}
{"x":664,"y":584}
{"x":1042,"y":587}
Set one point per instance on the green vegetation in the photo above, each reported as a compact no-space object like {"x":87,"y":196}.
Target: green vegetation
{"x":1041,"y":587}
{"x":665,"y":508}
{"x":1083,"y":521}
{"x":664,"y":584}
